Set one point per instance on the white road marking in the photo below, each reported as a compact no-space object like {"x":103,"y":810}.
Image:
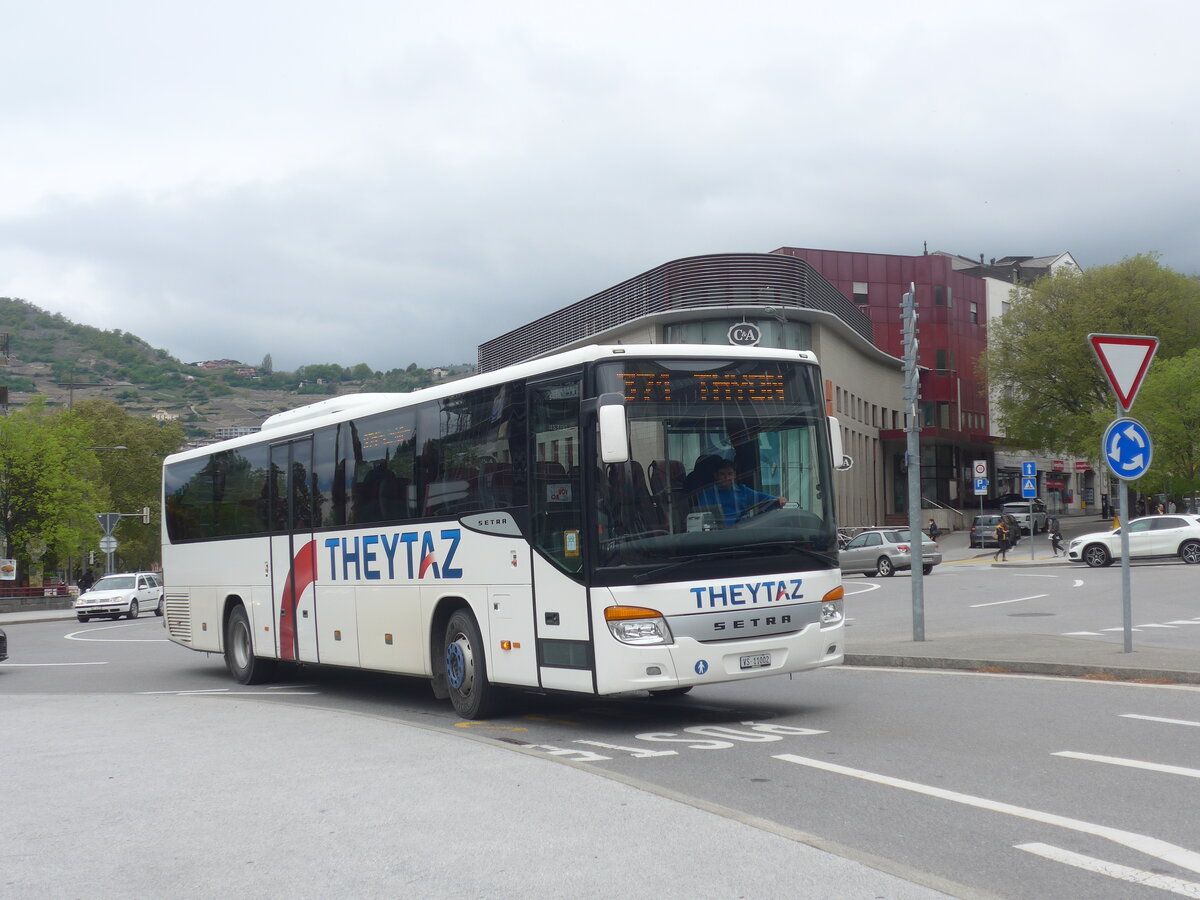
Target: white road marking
{"x":1184,"y":622}
{"x":862,"y":588}
{"x":1130,"y":763}
{"x":1160,"y":849}
{"x":968,"y":673}
{"x":1157,"y":719}
{"x":226,"y":692}
{"x":75,"y":636}
{"x":1078,"y":583}
{"x":1082,"y":634}
{"x":1121,"y":628}
{"x":1112,"y":870}
{"x":1155,"y":626}
{"x":1001,"y":602}
{"x":32,"y":665}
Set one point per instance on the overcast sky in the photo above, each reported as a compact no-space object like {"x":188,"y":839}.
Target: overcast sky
{"x":394,"y":182}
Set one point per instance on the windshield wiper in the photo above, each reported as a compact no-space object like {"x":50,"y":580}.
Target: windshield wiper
{"x":731,"y":553}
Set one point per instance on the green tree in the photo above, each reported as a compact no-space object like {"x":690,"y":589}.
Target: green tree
{"x":49,"y":485}
{"x":267,"y":366}
{"x":1168,"y":404}
{"x":131,"y":476}
{"x":1048,"y":389}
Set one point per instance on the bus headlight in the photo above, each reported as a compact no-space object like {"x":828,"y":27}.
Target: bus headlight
{"x":831,"y":607}
{"x":637,"y":625}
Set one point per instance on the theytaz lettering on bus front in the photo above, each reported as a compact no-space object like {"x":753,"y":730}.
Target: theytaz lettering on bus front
{"x":410,"y":553}
{"x":741,"y":594}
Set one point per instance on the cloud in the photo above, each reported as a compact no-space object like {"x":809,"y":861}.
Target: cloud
{"x":399,"y":183}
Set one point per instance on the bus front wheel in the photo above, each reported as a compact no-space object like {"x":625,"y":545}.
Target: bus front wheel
{"x":473,"y":696}
{"x":244,"y":666}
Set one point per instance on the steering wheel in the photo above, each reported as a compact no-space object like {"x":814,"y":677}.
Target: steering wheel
{"x":758,"y":508}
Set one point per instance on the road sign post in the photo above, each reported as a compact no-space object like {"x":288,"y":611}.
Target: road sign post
{"x":1029,"y":492}
{"x":1125,"y":358}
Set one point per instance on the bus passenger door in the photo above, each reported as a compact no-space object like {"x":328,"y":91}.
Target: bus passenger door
{"x":293,"y":552}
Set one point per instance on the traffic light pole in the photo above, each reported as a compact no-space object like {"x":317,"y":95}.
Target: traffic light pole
{"x":912,"y":394}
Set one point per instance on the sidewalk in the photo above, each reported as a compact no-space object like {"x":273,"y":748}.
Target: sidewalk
{"x":1031,"y":653}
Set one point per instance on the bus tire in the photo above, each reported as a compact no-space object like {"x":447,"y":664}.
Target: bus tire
{"x":243,"y":665}
{"x":473,"y":696}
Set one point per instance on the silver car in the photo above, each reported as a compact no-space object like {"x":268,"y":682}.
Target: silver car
{"x":884,"y":551}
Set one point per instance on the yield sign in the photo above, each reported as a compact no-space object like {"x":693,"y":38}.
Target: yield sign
{"x":1124,"y":359}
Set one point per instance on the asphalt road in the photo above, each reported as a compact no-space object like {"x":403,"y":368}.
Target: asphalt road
{"x":972,"y":596}
{"x":977,"y":785}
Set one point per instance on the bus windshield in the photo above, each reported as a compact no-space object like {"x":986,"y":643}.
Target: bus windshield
{"x":729,"y":461}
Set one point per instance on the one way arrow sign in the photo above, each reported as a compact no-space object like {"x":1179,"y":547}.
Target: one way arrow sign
{"x":1124,"y":359}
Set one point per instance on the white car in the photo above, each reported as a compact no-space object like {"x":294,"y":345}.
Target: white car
{"x":1149,"y":537}
{"x":126,"y":595}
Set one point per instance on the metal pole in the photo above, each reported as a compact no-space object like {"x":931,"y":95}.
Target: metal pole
{"x":912,"y":385}
{"x":1126,"y":590}
{"x":1032,"y":529}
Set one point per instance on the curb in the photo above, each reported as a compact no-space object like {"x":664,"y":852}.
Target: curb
{"x":1025,"y":667}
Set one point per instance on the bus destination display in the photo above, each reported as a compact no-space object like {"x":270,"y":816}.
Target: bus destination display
{"x":656,"y":387}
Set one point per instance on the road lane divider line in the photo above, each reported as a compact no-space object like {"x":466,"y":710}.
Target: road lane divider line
{"x":34,"y":665}
{"x":1111,"y":869}
{"x":1130,"y":763}
{"x":1002,"y":602}
{"x":1159,"y":719}
{"x":226,"y":692}
{"x":1156,"y":847}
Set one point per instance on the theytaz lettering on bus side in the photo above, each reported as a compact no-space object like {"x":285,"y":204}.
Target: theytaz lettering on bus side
{"x":370,"y":555}
{"x":741,"y":594}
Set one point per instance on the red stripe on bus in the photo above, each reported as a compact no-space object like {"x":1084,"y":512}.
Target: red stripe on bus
{"x":302,"y":574}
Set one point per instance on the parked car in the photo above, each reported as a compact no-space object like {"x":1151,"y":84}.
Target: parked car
{"x":1019,"y":510}
{"x":3,"y":645}
{"x":1150,"y":537}
{"x":884,"y":551}
{"x":127,"y":594}
{"x":998,"y":501}
{"x":983,"y":529}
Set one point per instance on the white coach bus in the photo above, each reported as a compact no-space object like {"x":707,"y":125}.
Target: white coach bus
{"x":553,"y":526}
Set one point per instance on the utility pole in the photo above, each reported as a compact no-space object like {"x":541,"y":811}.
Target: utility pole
{"x":912,"y":408}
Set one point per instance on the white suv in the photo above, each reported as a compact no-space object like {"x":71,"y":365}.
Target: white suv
{"x":121,"y":595}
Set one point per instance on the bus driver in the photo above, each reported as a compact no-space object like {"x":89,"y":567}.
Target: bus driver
{"x":733,"y":499}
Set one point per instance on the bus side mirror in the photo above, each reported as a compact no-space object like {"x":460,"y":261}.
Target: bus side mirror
{"x":614,"y":433}
{"x":841,"y":461}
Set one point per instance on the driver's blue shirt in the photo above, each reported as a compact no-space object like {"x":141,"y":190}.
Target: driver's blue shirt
{"x":733,"y":501}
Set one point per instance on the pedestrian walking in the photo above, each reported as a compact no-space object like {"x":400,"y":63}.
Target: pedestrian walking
{"x":1056,"y":538}
{"x":933,"y":530}
{"x":1001,"y":542}
{"x":86,"y":580}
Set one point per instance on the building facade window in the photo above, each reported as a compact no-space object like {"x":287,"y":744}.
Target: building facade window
{"x":860,"y":293}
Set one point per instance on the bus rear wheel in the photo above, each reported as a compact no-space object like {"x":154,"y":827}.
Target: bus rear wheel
{"x":473,"y":696}
{"x":243,"y":665}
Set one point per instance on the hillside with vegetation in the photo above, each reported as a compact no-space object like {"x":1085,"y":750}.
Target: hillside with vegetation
{"x":50,"y":357}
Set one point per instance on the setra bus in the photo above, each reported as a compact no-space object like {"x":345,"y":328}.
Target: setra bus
{"x":552,"y":526}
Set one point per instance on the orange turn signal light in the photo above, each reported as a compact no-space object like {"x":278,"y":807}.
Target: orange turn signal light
{"x":836,"y":594}
{"x":619,"y":613}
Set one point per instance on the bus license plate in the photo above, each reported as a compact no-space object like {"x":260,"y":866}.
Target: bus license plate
{"x":757,"y":661}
